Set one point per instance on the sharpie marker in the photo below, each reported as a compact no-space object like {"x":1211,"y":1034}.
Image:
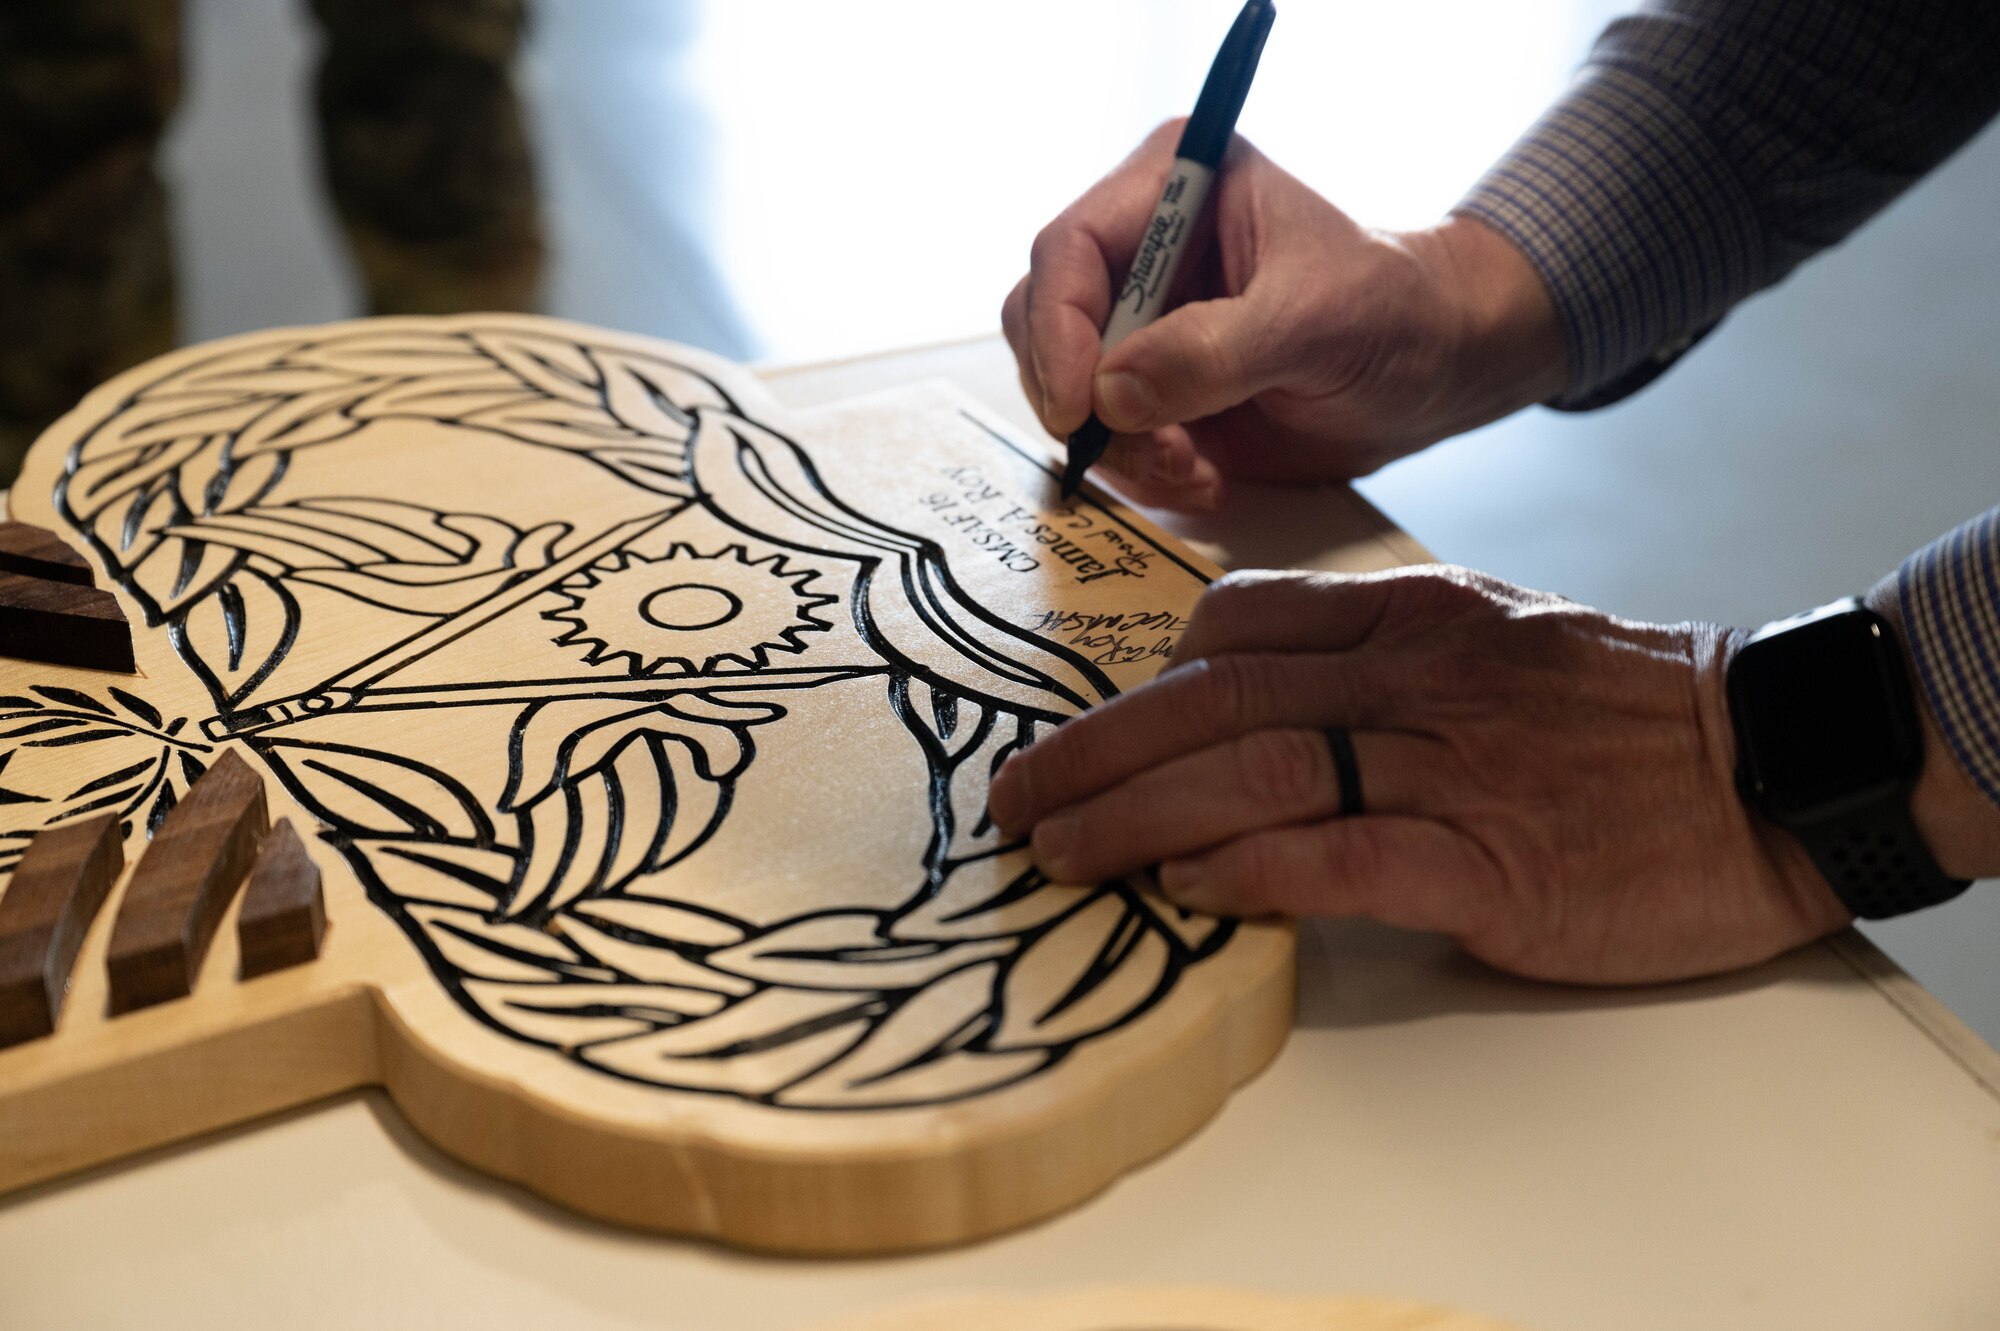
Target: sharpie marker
{"x":1202,"y":144}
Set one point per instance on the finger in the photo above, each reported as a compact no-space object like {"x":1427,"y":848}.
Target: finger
{"x":1263,"y":611}
{"x":1164,"y":470}
{"x":1074,"y":265}
{"x":1164,"y":457}
{"x":1195,"y":361}
{"x":1184,"y":710}
{"x":1246,"y":443}
{"x":1265,"y":779}
{"x":1014,"y":325}
{"x":1068,"y":300}
{"x":1409,"y":872}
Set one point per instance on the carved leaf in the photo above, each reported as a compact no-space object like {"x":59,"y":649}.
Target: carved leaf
{"x":1095,"y":969}
{"x":755,"y":1046}
{"x":364,"y":791}
{"x":919,"y":1053}
{"x":570,"y":1015}
{"x":848,"y":950}
{"x":663,"y":923}
{"x":649,"y":962}
{"x":242,"y":632}
{"x":448,"y":874}
{"x":129,"y":763}
{"x":993,"y":896}
{"x":486,"y":949}
{"x":552,"y":367}
{"x":395,"y":355}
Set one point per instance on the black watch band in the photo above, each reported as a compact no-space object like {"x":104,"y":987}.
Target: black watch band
{"x":1830,"y":746}
{"x":1877,"y":860}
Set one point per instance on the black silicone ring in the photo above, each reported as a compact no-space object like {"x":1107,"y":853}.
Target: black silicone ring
{"x":1340,"y":743}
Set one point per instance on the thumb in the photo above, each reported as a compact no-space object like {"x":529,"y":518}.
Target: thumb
{"x":1195,"y":361}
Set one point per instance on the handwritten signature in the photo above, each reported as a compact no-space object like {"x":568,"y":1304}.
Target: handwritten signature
{"x":1116,"y":639}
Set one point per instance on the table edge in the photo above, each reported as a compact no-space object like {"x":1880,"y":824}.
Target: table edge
{"x":1923,"y":1009}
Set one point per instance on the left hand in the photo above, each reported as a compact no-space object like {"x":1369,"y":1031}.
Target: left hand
{"x":1548,"y":785}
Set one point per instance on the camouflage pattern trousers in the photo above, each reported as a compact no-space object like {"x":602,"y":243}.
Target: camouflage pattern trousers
{"x":422,"y":148}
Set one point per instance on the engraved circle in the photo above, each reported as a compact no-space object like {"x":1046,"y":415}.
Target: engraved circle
{"x":690,"y":606}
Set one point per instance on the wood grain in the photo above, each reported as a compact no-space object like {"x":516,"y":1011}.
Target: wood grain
{"x":63,"y":624}
{"x":45,"y":911}
{"x":37,"y":552}
{"x":644,"y":731}
{"x":182,"y":885}
{"x":1169,"y":1308}
{"x":283,"y":918}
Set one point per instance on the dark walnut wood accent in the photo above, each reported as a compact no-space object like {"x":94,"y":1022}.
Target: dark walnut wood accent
{"x":37,"y":552}
{"x":284,"y":912}
{"x":63,"y":624}
{"x":45,"y":911}
{"x":183,"y":884}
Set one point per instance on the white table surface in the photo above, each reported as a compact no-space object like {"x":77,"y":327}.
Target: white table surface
{"x":1813,"y":1144}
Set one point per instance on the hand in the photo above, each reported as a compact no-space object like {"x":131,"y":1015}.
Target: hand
{"x":1548,"y":785}
{"x":1307,"y":349}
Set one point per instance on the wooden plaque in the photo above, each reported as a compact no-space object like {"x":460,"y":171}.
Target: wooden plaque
{"x":1194,"y":1308}
{"x":640,"y":732}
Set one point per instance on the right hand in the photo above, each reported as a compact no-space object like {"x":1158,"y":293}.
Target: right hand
{"x":1306,"y":348}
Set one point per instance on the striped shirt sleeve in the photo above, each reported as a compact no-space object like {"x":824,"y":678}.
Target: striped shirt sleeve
{"x":1948,"y":595}
{"x":1710,"y":146}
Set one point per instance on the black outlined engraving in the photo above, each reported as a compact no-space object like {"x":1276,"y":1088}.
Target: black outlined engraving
{"x":693,"y":637}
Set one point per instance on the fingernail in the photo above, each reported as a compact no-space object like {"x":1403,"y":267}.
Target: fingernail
{"x":1055,"y":842}
{"x":1007,"y":799}
{"x":1186,"y":884}
{"x":1126,"y":402}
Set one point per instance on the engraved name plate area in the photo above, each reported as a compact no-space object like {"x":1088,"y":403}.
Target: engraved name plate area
{"x":639,"y":733}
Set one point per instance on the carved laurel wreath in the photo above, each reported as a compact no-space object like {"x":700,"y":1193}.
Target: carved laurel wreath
{"x":985,"y":975}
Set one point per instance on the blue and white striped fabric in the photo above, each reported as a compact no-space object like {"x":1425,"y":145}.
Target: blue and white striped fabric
{"x":1949,"y":594}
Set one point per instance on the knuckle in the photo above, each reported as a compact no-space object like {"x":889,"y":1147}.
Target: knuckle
{"x":1224,"y":687}
{"x":1058,"y":764}
{"x":1011,"y":308}
{"x":1442,"y":587}
{"x":1350,"y":852}
{"x":1228,"y":595}
{"x":1050,"y":244}
{"x":1206,"y":353}
{"x":1283,"y":769}
{"x":1256,"y":872}
{"x":1445,"y":678}
{"x":1167,"y":132}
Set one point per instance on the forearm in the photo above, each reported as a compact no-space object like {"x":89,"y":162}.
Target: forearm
{"x":1946,"y":601}
{"x":1710,"y":146}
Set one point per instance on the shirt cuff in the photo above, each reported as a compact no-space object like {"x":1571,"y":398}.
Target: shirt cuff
{"x":1948,"y":594}
{"x":1636,"y":222}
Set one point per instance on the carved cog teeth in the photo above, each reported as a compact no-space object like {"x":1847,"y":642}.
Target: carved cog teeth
{"x":687,"y":612}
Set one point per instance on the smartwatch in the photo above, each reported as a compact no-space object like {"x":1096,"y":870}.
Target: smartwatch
{"x":1829,"y":747}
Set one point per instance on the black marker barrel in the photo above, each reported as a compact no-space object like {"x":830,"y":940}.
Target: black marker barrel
{"x":1143,"y":297}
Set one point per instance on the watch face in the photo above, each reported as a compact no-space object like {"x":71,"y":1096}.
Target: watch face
{"x":1823,"y":714}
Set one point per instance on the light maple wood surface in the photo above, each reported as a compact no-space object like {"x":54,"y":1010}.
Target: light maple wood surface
{"x":644,"y":727}
{"x":1170,"y":1309}
{"x":1810,"y":1144}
